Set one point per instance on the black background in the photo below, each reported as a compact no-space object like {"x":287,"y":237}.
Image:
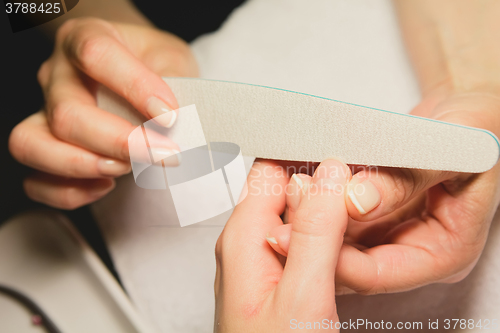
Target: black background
{"x":21,"y":55}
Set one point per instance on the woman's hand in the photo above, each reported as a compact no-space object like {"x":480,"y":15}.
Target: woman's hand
{"x":255,"y":291}
{"x":77,"y":147}
{"x":410,"y":228}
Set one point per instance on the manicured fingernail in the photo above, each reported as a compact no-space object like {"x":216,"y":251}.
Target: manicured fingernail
{"x":271,"y":240}
{"x":300,"y":183}
{"x":338,"y":159}
{"x":161,"y":112}
{"x":331,"y":174}
{"x":163,"y":154}
{"x":109,"y":167}
{"x":364,"y":196}
{"x":296,"y":191}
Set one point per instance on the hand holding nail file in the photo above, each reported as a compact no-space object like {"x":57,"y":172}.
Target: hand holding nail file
{"x":278,"y":124}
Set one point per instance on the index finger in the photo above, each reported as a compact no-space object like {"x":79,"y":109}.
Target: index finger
{"x":242,"y":249}
{"x":96,"y":49}
{"x":317,"y":235}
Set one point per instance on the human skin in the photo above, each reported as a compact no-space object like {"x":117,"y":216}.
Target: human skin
{"x":431,"y":223}
{"x":254,"y":291}
{"x":423,"y":227}
{"x":77,"y":148}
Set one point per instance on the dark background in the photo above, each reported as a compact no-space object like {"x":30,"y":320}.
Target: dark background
{"x":21,"y":55}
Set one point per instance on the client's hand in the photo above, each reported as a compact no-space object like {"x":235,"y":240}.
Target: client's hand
{"x":77,"y":147}
{"x":255,"y":291}
{"x":417,"y":227}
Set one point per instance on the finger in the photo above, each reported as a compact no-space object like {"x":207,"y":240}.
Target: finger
{"x":296,"y":189}
{"x":242,"y":250}
{"x":279,"y":237}
{"x":376,"y":192}
{"x":317,"y":234}
{"x":352,"y":260}
{"x":442,"y":244}
{"x":373,"y":233}
{"x":75,"y":118}
{"x":343,"y":290}
{"x":32,"y":144}
{"x":99,"y":52}
{"x":66,"y":193}
{"x":359,"y":234}
{"x":386,"y":268}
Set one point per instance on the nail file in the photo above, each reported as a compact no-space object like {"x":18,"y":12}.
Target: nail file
{"x":286,"y":125}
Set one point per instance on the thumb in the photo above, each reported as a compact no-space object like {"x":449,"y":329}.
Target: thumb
{"x":377,"y":191}
{"x":317,"y":233}
{"x":279,"y":238}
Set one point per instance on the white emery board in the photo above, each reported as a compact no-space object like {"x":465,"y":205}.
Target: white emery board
{"x":286,"y":125}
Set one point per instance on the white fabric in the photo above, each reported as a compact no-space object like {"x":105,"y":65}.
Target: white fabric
{"x":348,"y":50}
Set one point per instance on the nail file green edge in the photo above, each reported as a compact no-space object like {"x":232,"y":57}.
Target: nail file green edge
{"x":286,"y":125}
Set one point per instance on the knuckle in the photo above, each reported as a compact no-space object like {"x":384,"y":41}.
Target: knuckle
{"x":75,"y":163}
{"x":314,"y":220}
{"x":135,"y":87}
{"x":87,"y":41}
{"x":226,"y":245}
{"x":89,"y":49}
{"x":62,"y":119}
{"x":219,"y":247}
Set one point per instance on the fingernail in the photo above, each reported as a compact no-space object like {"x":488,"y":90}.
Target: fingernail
{"x":297,"y":187}
{"x":299,"y":182}
{"x":271,"y":240}
{"x":332,"y":174}
{"x":163,"y":154}
{"x":364,"y":196}
{"x":110,"y":167}
{"x":161,"y":112}
{"x":337,"y":159}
